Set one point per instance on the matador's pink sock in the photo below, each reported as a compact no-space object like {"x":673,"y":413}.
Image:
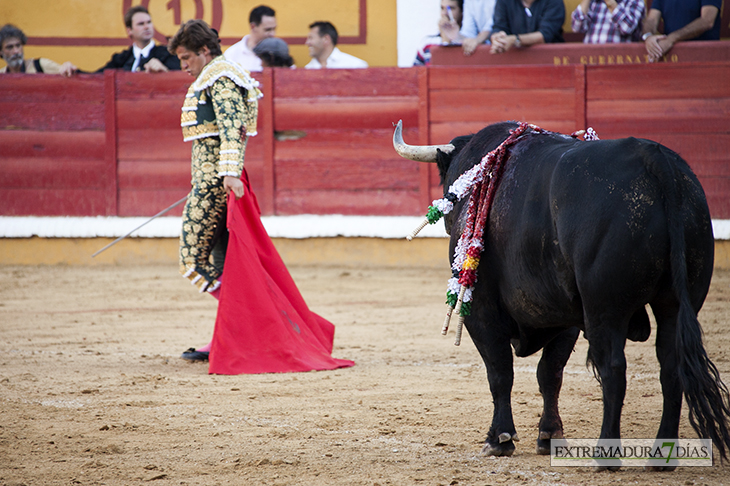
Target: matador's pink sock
{"x":204,"y":349}
{"x":217,"y":294}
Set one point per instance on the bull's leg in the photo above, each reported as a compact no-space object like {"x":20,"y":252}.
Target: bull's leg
{"x":606,"y":352}
{"x":495,"y":349}
{"x":666,"y":352}
{"x":550,"y":379}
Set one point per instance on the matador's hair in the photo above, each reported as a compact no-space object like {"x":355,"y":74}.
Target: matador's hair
{"x":193,"y":36}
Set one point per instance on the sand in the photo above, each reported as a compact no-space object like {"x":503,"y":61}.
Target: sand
{"x":92,"y":389}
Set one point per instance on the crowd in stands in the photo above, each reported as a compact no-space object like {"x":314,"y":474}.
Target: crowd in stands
{"x":502,"y":25}
{"x":256,"y":50}
{"x":518,"y":24}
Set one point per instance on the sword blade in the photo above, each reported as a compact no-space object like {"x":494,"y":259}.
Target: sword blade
{"x":138,"y":227}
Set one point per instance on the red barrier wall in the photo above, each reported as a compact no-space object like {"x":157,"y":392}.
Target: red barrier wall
{"x":688,"y":110}
{"x":53,"y":154}
{"x":345,"y":162}
{"x":111,"y":144}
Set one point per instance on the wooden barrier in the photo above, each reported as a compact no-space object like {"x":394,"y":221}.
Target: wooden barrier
{"x":52,"y":158}
{"x":463,"y":101}
{"x":342,"y":159}
{"x":688,"y":110}
{"x":111,"y":144}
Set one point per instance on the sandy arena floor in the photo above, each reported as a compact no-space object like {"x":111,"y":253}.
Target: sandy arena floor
{"x":92,"y":390}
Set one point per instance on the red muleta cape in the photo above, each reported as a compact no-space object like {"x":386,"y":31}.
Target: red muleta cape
{"x":263,"y":324}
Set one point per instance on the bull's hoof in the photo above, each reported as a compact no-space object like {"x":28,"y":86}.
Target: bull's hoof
{"x":543,"y":441}
{"x":659,"y":468}
{"x":503,"y":447}
{"x":606,"y":468}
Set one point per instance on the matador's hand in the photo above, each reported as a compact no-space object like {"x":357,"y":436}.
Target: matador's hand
{"x":234,"y":184}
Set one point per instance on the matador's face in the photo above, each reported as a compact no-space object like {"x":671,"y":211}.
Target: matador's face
{"x":193,"y":62}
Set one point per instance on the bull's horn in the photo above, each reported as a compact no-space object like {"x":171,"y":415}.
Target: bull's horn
{"x":420,"y":153}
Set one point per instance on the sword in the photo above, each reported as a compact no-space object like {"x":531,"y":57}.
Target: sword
{"x":138,"y":227}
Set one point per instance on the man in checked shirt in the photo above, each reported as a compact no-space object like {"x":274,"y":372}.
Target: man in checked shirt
{"x":608,"y":21}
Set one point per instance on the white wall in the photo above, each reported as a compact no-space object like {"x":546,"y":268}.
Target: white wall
{"x":416,"y":19}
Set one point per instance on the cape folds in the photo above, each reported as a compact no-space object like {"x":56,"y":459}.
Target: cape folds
{"x":263,"y":324}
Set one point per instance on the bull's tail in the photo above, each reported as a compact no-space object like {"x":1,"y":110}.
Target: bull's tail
{"x":706,"y":395}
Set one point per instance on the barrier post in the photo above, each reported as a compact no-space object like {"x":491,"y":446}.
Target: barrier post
{"x":110,"y":179}
{"x":266,"y":130}
{"x":424,"y":170}
{"x":580,"y":97}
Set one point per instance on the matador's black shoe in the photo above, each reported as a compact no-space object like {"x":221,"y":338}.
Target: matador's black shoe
{"x":192,"y":355}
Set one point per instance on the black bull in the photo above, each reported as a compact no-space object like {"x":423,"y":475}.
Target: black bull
{"x":582,"y":236}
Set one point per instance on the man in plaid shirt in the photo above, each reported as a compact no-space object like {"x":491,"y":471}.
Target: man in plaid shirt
{"x":606,"y":21}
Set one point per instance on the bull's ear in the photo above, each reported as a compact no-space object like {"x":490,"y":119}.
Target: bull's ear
{"x":420,"y":153}
{"x":443,"y":159}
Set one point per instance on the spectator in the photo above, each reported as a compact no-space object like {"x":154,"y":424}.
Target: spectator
{"x":608,"y":21}
{"x":522,"y":23}
{"x":143,"y":54}
{"x":449,"y":25}
{"x":262,"y":21}
{"x":683,"y":20}
{"x":477,"y":25}
{"x":274,"y":52}
{"x":322,"y":44}
{"x":12,"y":40}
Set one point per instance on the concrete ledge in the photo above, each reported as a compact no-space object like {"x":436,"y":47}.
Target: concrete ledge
{"x":722,"y":254}
{"x":296,"y":227}
{"x":421,"y":252}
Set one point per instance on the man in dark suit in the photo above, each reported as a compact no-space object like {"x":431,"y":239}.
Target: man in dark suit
{"x":143,"y":55}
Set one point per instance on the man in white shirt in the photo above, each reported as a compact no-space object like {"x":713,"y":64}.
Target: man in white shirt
{"x":263,"y":25}
{"x":322,"y":44}
{"x":477,"y":24}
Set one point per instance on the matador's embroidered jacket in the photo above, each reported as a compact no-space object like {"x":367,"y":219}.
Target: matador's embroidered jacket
{"x":209,"y":103}
{"x":219,"y":112}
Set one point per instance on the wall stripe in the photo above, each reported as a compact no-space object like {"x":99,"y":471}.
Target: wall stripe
{"x":360,"y":38}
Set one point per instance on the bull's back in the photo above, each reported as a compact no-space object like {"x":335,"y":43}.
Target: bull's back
{"x":619,"y":202}
{"x":577,"y":220}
